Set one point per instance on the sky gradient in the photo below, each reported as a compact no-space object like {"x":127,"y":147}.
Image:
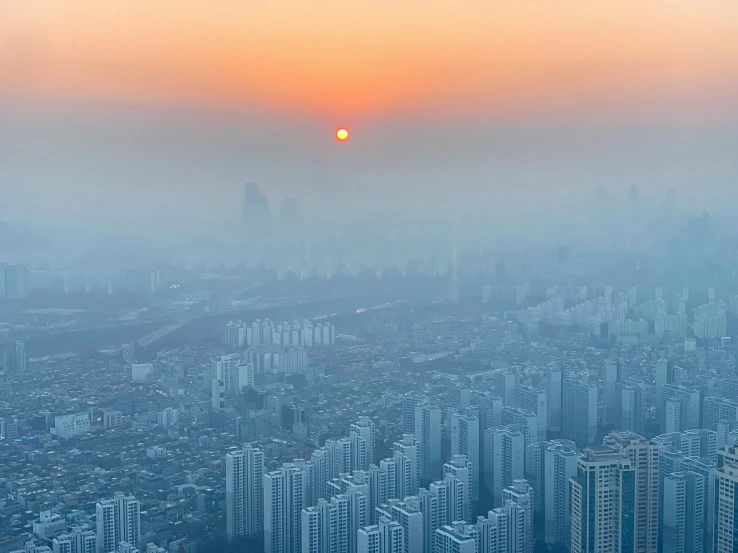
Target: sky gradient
{"x":109,"y":98}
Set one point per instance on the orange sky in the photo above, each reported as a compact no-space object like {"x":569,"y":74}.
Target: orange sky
{"x":378,"y":56}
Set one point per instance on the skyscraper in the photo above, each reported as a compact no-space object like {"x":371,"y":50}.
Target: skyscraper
{"x":726,"y":489}
{"x":365,"y":428}
{"x":385,"y":537}
{"x":602,"y":502}
{"x":256,"y":215}
{"x":579,"y":412}
{"x":244,"y":492}
{"x":554,"y":391}
{"x":684,"y":503}
{"x":519,"y":503}
{"x":406,"y":450}
{"x":465,"y":441}
{"x":284,"y":494}
{"x":407,"y":514}
{"x":548,"y":468}
{"x":118,"y":520}
{"x":319,"y":528}
{"x":504,"y":457}
{"x":428,"y":433}
{"x":458,"y":472}
{"x":533,"y":401}
{"x":680,"y":408}
{"x":457,"y":538}
{"x":644,"y":460}
{"x":609,"y":392}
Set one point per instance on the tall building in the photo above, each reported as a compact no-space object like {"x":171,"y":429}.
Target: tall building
{"x":490,"y":409}
{"x":234,"y":372}
{"x":407,"y":513}
{"x":684,"y":502}
{"x":409,"y":402}
{"x":644,"y":460}
{"x":458,"y":471}
{"x":492,"y":532}
{"x":726,"y":501}
{"x":244,"y":492}
{"x":429,"y":506}
{"x":548,"y":468}
{"x":217,"y":395}
{"x":256,"y":214}
{"x":118,"y":520}
{"x":76,"y":540}
{"x":457,"y":538}
{"x":465,"y":441}
{"x":365,"y":428}
{"x":680,"y":408}
{"x":524,"y":421}
{"x":504,"y":382}
{"x":284,"y":494}
{"x":385,"y":537}
{"x":428,"y":433}
{"x":504,"y":456}
{"x":319,"y":528}
{"x":534,"y":401}
{"x":630,"y":398}
{"x":716,"y":409}
{"x":16,"y":282}
{"x":603,"y":502}
{"x":519,"y":503}
{"x":407,"y":450}
{"x":554,"y":390}
{"x":579,"y":412}
{"x":358,"y":516}
{"x":609,"y":392}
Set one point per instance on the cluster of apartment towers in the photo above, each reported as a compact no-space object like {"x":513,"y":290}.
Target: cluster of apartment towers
{"x":673,"y":494}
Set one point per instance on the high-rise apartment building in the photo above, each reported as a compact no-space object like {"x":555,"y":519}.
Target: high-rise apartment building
{"x":579,"y":412}
{"x":680,"y":408}
{"x":683,"y":506}
{"x":518,"y":501}
{"x":465,"y":441}
{"x":366,"y":429}
{"x":458,"y":471}
{"x":386,"y":536}
{"x":457,"y":538}
{"x":644,"y":461}
{"x":726,"y":500}
{"x":118,"y":520}
{"x":428,"y":433}
{"x":533,"y":401}
{"x":603,"y":502}
{"x":554,"y":389}
{"x":284,"y":499}
{"x":244,"y":492}
{"x":504,"y":456}
{"x":407,"y":452}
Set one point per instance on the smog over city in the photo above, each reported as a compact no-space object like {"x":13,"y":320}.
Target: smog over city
{"x":333,"y":277}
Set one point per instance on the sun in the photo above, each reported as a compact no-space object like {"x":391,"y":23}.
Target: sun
{"x":342,"y":134}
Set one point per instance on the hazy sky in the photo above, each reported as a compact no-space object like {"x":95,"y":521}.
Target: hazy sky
{"x":117,"y":113}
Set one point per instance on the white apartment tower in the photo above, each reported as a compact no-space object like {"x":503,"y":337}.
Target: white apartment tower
{"x":118,"y":519}
{"x":579,"y":412}
{"x":504,"y":459}
{"x":458,"y":472}
{"x":726,"y":490}
{"x":244,"y":492}
{"x":465,"y":441}
{"x":284,"y":495}
{"x":428,"y":433}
